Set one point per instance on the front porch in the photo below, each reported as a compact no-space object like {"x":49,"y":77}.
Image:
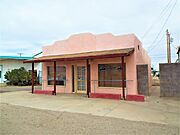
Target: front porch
{"x":88,"y":86}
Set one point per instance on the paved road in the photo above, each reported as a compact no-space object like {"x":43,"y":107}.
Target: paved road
{"x":28,"y":121}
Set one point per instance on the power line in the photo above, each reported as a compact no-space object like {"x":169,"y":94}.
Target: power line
{"x":162,"y":56}
{"x":157,"y":19}
{"x":174,"y":46}
{"x":159,"y":55}
{"x":163,"y":26}
{"x":151,"y":47}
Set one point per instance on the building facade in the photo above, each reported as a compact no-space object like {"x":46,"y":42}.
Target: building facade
{"x":93,"y":64}
{"x":8,"y":63}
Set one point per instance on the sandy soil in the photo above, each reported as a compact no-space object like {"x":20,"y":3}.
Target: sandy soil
{"x":4,"y":89}
{"x":18,"y":120}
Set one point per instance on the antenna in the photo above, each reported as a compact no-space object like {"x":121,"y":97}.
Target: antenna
{"x":20,"y":54}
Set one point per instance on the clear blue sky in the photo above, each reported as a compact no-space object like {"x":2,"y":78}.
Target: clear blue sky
{"x":27,"y":25}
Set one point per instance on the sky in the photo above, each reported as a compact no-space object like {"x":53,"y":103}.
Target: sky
{"x":27,"y":25}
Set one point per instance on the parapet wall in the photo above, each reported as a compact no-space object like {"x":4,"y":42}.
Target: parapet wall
{"x":87,"y":42}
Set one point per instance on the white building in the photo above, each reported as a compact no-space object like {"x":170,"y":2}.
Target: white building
{"x":7,"y":63}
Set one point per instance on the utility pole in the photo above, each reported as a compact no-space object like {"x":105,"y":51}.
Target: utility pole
{"x":168,"y":46}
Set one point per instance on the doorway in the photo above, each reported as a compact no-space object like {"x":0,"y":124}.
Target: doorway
{"x":78,"y":79}
{"x":81,"y":79}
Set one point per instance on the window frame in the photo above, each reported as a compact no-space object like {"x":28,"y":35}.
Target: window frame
{"x":57,"y":72}
{"x":110,"y":80}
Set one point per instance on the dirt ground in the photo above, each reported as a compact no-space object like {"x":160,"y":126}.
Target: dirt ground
{"x":22,"y":113}
{"x":6,"y":88}
{"x":22,"y":120}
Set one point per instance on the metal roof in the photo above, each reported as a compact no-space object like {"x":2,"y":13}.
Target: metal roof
{"x":37,"y":54}
{"x":85,"y":55}
{"x":15,"y":57}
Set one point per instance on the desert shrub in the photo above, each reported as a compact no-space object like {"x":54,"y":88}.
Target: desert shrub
{"x":19,"y":77}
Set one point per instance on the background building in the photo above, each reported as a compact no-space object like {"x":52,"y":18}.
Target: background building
{"x":8,"y":63}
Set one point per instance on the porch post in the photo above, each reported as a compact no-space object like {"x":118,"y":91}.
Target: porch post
{"x":54,"y":78}
{"x":32,"y":75}
{"x":123,"y":91}
{"x":88,"y":77}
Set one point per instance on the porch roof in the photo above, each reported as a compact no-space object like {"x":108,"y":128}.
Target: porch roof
{"x":85,"y":55}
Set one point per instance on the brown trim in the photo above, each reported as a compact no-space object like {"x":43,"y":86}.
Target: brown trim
{"x":32,"y":75}
{"x":89,"y":68}
{"x":72,"y":78}
{"x":84,"y":56}
{"x":54,"y":77}
{"x":88,"y":77}
{"x":123,"y":90}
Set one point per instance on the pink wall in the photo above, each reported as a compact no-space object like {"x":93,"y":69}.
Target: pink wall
{"x":143,"y":58}
{"x":62,"y":89}
{"x":88,"y":42}
{"x":68,"y":65}
{"x":130,"y":76}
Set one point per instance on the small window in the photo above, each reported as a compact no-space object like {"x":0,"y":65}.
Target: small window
{"x":60,"y":75}
{"x":138,"y":47}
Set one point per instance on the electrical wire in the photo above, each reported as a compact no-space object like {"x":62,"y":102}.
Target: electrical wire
{"x":173,"y":46}
{"x":162,"y":57}
{"x":157,"y":19}
{"x":153,"y":46}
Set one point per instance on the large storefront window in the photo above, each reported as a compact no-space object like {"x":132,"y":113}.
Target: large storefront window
{"x":60,"y":75}
{"x":110,"y":75}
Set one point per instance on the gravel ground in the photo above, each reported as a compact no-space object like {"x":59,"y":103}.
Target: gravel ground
{"x":4,"y":89}
{"x":19,"y":120}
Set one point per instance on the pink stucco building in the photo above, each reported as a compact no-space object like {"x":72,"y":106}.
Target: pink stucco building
{"x":101,"y":65}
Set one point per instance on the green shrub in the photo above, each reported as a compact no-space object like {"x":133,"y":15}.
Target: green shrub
{"x":19,"y":77}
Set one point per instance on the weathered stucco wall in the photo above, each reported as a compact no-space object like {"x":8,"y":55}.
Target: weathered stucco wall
{"x":88,"y":42}
{"x":130,"y":75}
{"x":142,"y":58}
{"x":170,"y":79}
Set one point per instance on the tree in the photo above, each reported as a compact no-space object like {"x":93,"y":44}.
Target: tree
{"x":153,"y":71}
{"x":19,"y":77}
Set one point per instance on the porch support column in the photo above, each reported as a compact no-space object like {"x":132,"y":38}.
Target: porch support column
{"x":32,"y":75}
{"x":54,"y":78}
{"x":123,"y":81}
{"x":88,"y":77}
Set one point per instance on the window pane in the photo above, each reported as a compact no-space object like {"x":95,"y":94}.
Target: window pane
{"x":60,"y":75}
{"x":110,"y":75}
{"x":81,"y":71}
{"x":50,"y":75}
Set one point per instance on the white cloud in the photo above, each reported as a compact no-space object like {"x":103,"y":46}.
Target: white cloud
{"x":31,"y":24}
